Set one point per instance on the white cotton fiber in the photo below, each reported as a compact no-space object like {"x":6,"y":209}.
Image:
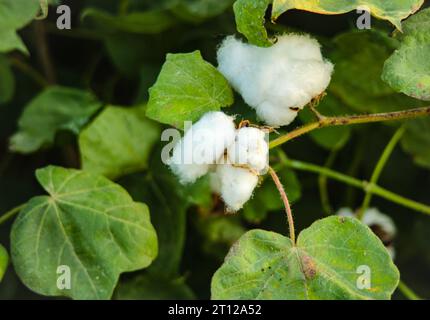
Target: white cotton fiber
{"x":373,"y":216}
{"x":250,"y":148}
{"x":202,"y":145}
{"x":237,"y":185}
{"x":277,"y":81}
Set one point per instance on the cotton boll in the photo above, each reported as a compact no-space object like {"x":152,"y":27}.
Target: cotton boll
{"x":202,"y":145}
{"x":250,"y":149}
{"x":381,"y":224}
{"x":277,"y":81}
{"x":237,"y":185}
{"x":373,"y":217}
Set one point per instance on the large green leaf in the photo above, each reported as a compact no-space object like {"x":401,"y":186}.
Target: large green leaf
{"x":168,"y":201}
{"x":250,"y":20}
{"x":7,"y":80}
{"x":150,"y":287}
{"x":408,"y":69}
{"x":394,"y":11}
{"x":331,"y":138}
{"x":86,"y":223}
{"x":4,"y":259}
{"x":325,"y":264}
{"x":55,"y":109}
{"x":14,"y":14}
{"x":266,"y":198}
{"x":118,"y":142}
{"x":148,"y":22}
{"x":359,"y":57}
{"x":186,"y":89}
{"x":416,"y":140}
{"x":9,"y":41}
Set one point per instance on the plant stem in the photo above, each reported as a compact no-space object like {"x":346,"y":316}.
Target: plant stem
{"x":11,"y":213}
{"x":407,"y":292}
{"x":363,"y":185}
{"x":348,"y":120}
{"x":43,"y":51}
{"x":286,"y":203}
{"x":379,"y":167}
{"x":29,"y":71}
{"x":322,"y":184}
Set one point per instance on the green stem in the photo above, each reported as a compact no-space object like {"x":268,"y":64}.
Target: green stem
{"x":286,"y":203}
{"x":348,"y":120}
{"x":407,"y":292}
{"x":363,"y":185}
{"x":29,"y":71}
{"x":11,"y":213}
{"x":379,"y":167}
{"x":322,"y":184}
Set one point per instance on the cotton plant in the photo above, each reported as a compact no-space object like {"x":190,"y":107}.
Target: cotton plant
{"x":234,"y":157}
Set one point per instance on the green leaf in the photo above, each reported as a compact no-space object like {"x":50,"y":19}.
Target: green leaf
{"x":9,"y":41}
{"x":416,"y":141}
{"x":197,"y":10}
{"x":363,"y":54}
{"x":148,"y":22}
{"x":250,"y":20}
{"x":323,"y":265}
{"x":408,"y":69}
{"x":7,"y":81}
{"x":15,"y":14}
{"x":54,"y":109}
{"x":219,"y":233}
{"x":186,"y":89}
{"x":266,"y":197}
{"x":168,"y":201}
{"x":331,"y":138}
{"x":4,"y":260}
{"x":394,"y":11}
{"x":118,"y":142}
{"x":150,"y":287}
{"x":86,"y":223}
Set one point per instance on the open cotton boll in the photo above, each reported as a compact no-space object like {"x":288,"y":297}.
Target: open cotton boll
{"x":277,"y":81}
{"x":249,"y":148}
{"x":237,"y":185}
{"x":202,"y":145}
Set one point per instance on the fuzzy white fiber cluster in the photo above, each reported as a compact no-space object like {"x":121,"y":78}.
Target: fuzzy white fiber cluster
{"x":373,"y":217}
{"x":277,"y":81}
{"x":234,"y":158}
{"x":202,"y":146}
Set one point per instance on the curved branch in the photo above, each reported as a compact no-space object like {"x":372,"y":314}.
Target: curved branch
{"x":348,"y":120}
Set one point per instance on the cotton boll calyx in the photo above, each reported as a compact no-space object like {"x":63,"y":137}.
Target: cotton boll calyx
{"x":236,"y":185}
{"x":249,"y":149}
{"x":277,"y":81}
{"x":202,"y":145}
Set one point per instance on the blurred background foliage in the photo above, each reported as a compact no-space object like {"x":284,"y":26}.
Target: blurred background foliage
{"x":113,"y":54}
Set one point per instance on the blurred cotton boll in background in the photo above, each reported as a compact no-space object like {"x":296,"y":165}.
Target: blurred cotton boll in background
{"x":381,"y":224}
{"x":277,"y":81}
